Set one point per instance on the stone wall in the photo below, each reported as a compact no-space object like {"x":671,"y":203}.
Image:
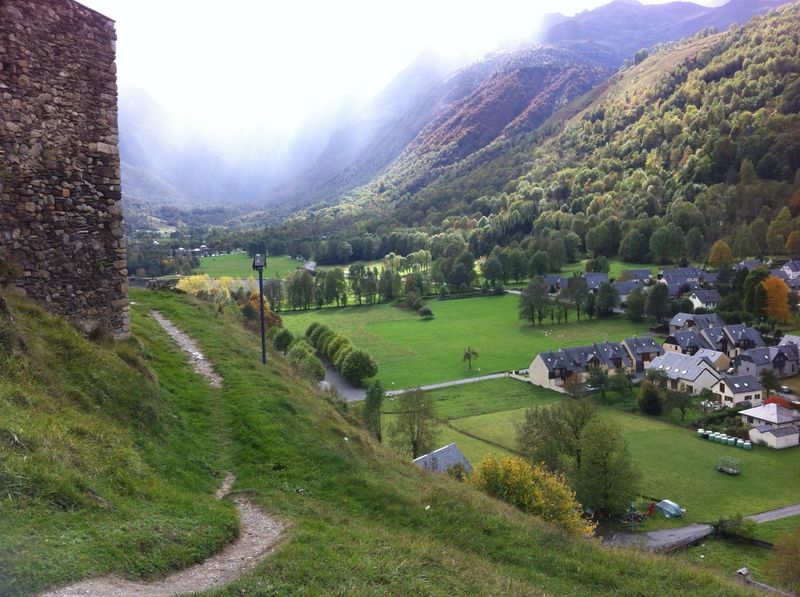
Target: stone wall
{"x":60,"y":212}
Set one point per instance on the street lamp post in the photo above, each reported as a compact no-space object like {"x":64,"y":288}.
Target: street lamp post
{"x":259,"y":263}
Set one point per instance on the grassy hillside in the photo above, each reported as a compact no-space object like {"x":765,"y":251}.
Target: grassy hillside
{"x":112,"y":472}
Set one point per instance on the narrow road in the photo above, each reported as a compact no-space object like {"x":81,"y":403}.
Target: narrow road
{"x":785,"y":512}
{"x":448,"y":384}
{"x":258,"y":533}
{"x":674,"y":539}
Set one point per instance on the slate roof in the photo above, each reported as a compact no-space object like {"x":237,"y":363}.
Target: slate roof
{"x":789,"y":339}
{"x":608,"y":351}
{"x":707,"y":296}
{"x":714,"y":336}
{"x":711,"y":356}
{"x":708,"y":320}
{"x":643,"y":345}
{"x":683,"y":272}
{"x":688,"y":340}
{"x":783,"y":431}
{"x":595,"y":279}
{"x":680,"y":366}
{"x":793,"y":265}
{"x":748,"y":264}
{"x":742,"y":383}
{"x":443,"y":459}
{"x":772,"y":413}
{"x":767,"y":354}
{"x":625,"y":288}
{"x":741,"y":334}
{"x":710,"y":277}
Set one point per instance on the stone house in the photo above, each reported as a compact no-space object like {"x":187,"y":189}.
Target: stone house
{"x":735,"y":389}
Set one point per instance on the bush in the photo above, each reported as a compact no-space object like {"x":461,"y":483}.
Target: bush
{"x":283,"y":340}
{"x":316,"y":333}
{"x":312,"y":328}
{"x":532,"y":489}
{"x":357,"y":366}
{"x":272,"y":332}
{"x":334,"y":345}
{"x":342,"y":354}
{"x":300,"y":348}
{"x":311,"y":367}
{"x":426,"y":313}
{"x":649,"y":399}
{"x":322,"y":338}
{"x":737,"y":527}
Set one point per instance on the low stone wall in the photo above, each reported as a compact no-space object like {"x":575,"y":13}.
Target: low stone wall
{"x":60,"y":211}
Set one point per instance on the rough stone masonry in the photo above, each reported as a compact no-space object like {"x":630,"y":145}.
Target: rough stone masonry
{"x":60,"y":212}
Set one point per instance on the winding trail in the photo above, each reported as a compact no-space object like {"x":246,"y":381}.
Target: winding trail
{"x":258,"y":533}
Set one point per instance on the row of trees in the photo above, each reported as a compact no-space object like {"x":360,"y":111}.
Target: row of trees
{"x":354,"y":364}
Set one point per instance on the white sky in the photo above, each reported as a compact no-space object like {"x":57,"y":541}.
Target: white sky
{"x":231,"y":65}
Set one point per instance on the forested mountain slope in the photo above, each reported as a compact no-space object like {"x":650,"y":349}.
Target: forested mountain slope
{"x":701,"y":141}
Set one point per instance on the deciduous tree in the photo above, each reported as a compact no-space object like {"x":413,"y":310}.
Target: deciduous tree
{"x":469,"y":355}
{"x":372,"y":408}
{"x":416,"y":426}
{"x":777,"y":299}
{"x":720,"y":257}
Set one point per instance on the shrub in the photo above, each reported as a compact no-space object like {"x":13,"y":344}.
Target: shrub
{"x":311,"y":367}
{"x":283,"y":340}
{"x":532,"y":489}
{"x":328,"y":342}
{"x":357,"y":366}
{"x":322,"y":339}
{"x":737,"y":527}
{"x":426,"y":313}
{"x":649,"y":399}
{"x":272,"y":331}
{"x":341,"y":354}
{"x":299,"y":348}
{"x":334,"y":345}
{"x":315,"y":335}
{"x":312,"y":328}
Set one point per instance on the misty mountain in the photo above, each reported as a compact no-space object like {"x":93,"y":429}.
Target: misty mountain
{"x":432,"y":116}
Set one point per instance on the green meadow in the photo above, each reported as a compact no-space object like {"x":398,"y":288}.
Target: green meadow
{"x":673,"y":461}
{"x":412,"y":352}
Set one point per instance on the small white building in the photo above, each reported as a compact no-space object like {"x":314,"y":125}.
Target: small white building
{"x":733,"y":390}
{"x":778,"y":439}
{"x":705,"y":299}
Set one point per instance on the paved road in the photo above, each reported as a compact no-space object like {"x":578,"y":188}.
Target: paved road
{"x":786,"y":512}
{"x":447,"y":384}
{"x":663,"y":540}
{"x":673,"y":539}
{"x":346,"y":390}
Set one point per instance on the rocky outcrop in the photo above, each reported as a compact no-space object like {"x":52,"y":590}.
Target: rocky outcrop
{"x":60,"y":212}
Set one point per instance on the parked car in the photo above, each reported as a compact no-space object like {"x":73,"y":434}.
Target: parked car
{"x":784,"y":390}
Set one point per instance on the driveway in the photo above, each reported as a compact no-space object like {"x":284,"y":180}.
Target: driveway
{"x":785,"y":512}
{"x":346,"y":390}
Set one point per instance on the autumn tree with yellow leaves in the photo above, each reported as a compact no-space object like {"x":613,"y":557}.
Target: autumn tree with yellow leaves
{"x":777,"y":303}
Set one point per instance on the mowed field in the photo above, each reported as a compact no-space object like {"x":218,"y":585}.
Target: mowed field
{"x":240,"y":265}
{"x":411,"y":352}
{"x":674,"y":463}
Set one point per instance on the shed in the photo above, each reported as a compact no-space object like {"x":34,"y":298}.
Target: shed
{"x":669,"y":509}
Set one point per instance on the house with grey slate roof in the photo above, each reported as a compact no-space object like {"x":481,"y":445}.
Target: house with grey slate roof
{"x":625,"y":288}
{"x":719,"y":360}
{"x":782,"y":361}
{"x":733,"y":339}
{"x":705,"y":299}
{"x":641,"y":275}
{"x":690,"y":321}
{"x":686,"y":342}
{"x":552,"y":369}
{"x":642,"y":351}
{"x":685,"y":372}
{"x":735,"y":389}
{"x":443,"y":459}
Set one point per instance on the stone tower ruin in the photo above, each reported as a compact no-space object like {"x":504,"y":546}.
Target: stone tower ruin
{"x":60,"y":203}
